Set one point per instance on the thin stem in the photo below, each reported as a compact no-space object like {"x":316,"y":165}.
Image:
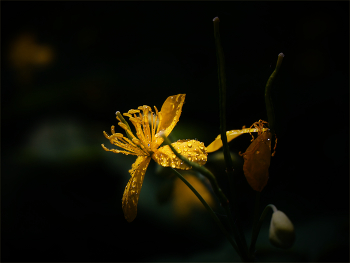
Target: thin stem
{"x":211,"y":212}
{"x":256,"y":217}
{"x":257,"y":227}
{"x":241,"y":242}
{"x":222,"y":101}
{"x":268,"y":100}
{"x":219,"y":193}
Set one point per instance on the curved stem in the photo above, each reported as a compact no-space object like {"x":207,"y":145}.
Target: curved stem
{"x":256,"y":215}
{"x":268,"y":100}
{"x":211,"y":212}
{"x":222,"y":103}
{"x":257,"y":227}
{"x":219,"y":193}
{"x":241,"y":242}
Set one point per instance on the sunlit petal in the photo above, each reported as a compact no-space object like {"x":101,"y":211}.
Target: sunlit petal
{"x":217,"y":143}
{"x":133,"y":188}
{"x":170,"y":112}
{"x":191,"y":149}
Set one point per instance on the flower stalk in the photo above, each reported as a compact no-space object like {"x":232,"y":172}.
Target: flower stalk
{"x":242,"y":251}
{"x":219,"y":193}
{"x":257,"y":226}
{"x":240,"y":239}
{"x":268,"y":100}
{"x":211,"y":212}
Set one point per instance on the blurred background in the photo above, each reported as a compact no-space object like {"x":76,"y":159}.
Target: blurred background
{"x":67,"y":67}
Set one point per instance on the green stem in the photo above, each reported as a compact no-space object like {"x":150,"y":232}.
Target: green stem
{"x":219,"y":193}
{"x":268,"y":100}
{"x":256,"y":217}
{"x":222,"y":101}
{"x":241,"y":242}
{"x":211,"y":212}
{"x":257,"y":227}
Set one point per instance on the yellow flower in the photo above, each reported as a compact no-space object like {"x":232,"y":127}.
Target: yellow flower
{"x":145,"y":145}
{"x":257,"y":156}
{"x":217,"y":143}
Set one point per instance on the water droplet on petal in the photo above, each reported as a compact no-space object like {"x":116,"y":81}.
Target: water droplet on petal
{"x":189,"y":144}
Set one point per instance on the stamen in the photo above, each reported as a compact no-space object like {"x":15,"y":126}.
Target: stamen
{"x":106,"y":135}
{"x":133,"y":111}
{"x":122,"y":125}
{"x":126,"y":144}
{"x":151,"y":125}
{"x":137,"y":122}
{"x":160,"y":118}
{"x":146,"y":128}
{"x":117,"y":151}
{"x":155,"y":123}
{"x":118,"y":113}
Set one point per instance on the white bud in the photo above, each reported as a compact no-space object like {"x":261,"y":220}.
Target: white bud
{"x":282,"y":233}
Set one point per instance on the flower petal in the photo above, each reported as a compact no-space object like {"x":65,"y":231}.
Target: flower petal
{"x":257,"y":161}
{"x":133,"y":188}
{"x":217,"y":143}
{"x":170,"y":112}
{"x":191,"y":149}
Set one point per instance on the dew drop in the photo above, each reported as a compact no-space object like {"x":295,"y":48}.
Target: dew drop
{"x":173,"y":165}
{"x":189,"y":144}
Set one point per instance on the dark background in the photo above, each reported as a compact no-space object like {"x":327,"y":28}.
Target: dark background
{"x":67,"y":67}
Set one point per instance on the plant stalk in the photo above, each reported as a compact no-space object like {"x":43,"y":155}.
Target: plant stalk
{"x":257,"y":227}
{"x":240,"y":239}
{"x":211,"y":212}
{"x":268,"y":100}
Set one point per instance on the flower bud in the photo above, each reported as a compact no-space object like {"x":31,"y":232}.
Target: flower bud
{"x":282,"y":233}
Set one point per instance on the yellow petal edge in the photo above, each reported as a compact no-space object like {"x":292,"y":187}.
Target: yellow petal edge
{"x":217,"y":143}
